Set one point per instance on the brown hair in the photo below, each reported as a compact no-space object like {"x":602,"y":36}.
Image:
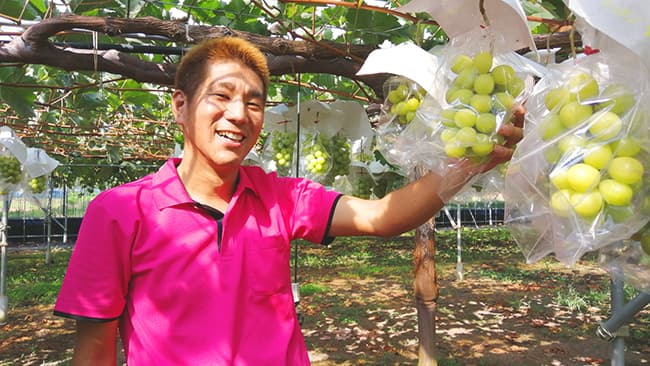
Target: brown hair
{"x":191,"y":69}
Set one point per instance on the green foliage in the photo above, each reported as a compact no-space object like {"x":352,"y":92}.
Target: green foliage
{"x":547,"y":9}
{"x":30,"y":10}
{"x":31,"y":281}
{"x":310,"y":289}
{"x":97,"y":118}
{"x":20,"y":99}
{"x":571,"y":299}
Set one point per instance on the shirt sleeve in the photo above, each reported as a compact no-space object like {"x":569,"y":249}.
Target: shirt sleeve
{"x":314,"y":210}
{"x":97,"y":277}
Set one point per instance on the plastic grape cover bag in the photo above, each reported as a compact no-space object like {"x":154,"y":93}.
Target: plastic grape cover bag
{"x":405,"y":127}
{"x":358,"y":182}
{"x":279,"y":152}
{"x":13,"y":153}
{"x":479,"y":90}
{"x":475,"y":93}
{"x":629,"y":260}
{"x":37,"y":166}
{"x":578,"y":180}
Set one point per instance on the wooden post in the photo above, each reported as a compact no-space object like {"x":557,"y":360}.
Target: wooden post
{"x":426,"y":292}
{"x":425,"y":287}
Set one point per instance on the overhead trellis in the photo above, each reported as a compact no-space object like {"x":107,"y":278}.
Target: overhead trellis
{"x":95,"y":85}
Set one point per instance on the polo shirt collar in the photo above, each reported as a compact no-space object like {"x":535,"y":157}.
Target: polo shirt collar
{"x":168,"y":189}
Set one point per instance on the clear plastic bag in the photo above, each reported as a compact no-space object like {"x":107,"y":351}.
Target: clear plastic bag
{"x":38,"y":184}
{"x":339,"y":148}
{"x":454,"y":130}
{"x":279,"y":153}
{"x":360,"y":181}
{"x":315,"y":159}
{"x":576,"y":181}
{"x":11,"y":172}
{"x":629,"y":260}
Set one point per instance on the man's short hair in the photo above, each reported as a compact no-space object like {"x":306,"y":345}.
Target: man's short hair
{"x":192,"y":67}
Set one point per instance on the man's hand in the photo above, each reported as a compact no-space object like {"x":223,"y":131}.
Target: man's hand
{"x":513,"y":133}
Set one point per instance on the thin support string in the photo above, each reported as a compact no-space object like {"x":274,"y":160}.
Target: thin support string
{"x":98,"y":74}
{"x":297,"y":174}
{"x":486,"y":20}
{"x":188,"y":38}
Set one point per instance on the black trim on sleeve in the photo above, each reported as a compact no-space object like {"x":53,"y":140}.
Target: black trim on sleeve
{"x":329,"y":239}
{"x":84,"y":318}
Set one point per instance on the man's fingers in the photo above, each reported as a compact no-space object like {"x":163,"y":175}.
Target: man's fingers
{"x":518,"y":116}
{"x":512,"y":134}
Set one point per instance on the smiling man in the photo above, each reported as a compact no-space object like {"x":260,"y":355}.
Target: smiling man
{"x":191,"y":264}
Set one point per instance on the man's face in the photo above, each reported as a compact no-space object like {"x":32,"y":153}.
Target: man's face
{"x":224,"y":118}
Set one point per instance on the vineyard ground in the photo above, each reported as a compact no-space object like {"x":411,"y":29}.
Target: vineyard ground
{"x":357,"y":307}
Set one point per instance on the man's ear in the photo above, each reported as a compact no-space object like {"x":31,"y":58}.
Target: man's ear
{"x":179,"y":106}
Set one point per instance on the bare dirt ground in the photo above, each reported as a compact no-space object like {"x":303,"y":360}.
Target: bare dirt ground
{"x":372,"y":321}
{"x":479,"y":322}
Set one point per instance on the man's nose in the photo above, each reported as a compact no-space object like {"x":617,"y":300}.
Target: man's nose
{"x":235,"y":110}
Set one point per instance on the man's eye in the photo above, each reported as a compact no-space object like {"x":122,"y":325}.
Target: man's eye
{"x":254,"y":104}
{"x":220,"y":96}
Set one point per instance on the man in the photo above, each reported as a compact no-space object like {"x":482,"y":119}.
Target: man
{"x":191,"y":263}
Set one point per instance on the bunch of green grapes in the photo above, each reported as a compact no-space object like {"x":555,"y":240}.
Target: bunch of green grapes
{"x":601,"y":169}
{"x":362,"y":184}
{"x":339,"y":148}
{"x":38,"y":184}
{"x":479,"y":95}
{"x":282,"y":146}
{"x":10,"y":170}
{"x":317,"y":161}
{"x":403,"y":98}
{"x":388,"y":182}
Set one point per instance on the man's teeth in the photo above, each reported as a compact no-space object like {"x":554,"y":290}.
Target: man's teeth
{"x":231,"y":136}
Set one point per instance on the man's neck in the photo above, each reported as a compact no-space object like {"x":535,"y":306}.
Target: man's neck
{"x":208,"y":186}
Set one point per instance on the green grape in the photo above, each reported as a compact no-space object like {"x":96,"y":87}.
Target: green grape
{"x":339,"y":148}
{"x":515,"y":86}
{"x":584,"y":85}
{"x":619,"y":99}
{"x":481,"y":103}
{"x":503,"y":101}
{"x":502,"y":74}
{"x":10,"y":170}
{"x":486,"y":123}
{"x":463,"y":96}
{"x":460,"y":63}
{"x":38,"y":184}
{"x":484,"y":84}
{"x":362,"y":184}
{"x":465,"y":118}
{"x":282,"y":145}
{"x":483,"y":62}
{"x":317,"y":160}
{"x":556,"y":98}
{"x":387,"y":182}
{"x":403,"y":98}
{"x":465,"y":80}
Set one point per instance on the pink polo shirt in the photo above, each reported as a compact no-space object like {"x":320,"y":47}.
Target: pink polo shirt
{"x":146,"y":254}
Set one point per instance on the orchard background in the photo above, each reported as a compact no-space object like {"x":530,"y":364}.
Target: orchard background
{"x":90,"y":82}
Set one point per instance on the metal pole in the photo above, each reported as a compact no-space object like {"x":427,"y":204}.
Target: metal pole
{"x":4,"y":300}
{"x":459,"y":260}
{"x":618,"y":301}
{"x":609,"y":329}
{"x":48,"y":220}
{"x":65,"y":213}
{"x":490,"y":213}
